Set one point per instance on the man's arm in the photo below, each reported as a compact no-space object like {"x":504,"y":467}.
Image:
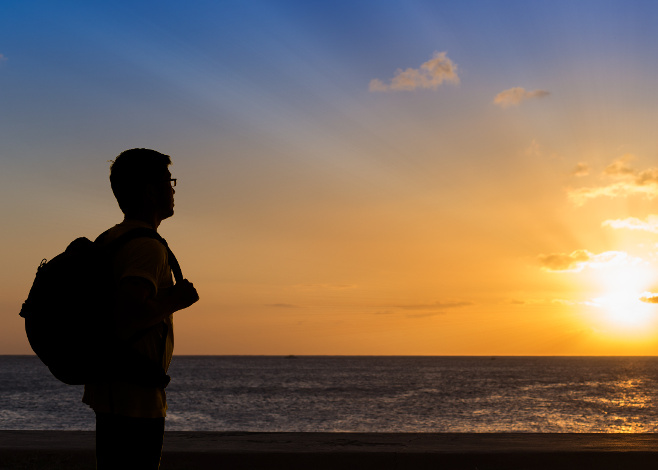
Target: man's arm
{"x":137,"y":307}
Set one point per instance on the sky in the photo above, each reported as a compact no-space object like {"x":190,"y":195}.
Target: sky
{"x":354,"y":177}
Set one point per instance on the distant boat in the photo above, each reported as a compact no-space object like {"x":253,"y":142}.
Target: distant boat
{"x":291,"y":356}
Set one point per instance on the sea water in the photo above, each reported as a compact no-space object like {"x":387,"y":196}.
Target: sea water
{"x":366,"y":394}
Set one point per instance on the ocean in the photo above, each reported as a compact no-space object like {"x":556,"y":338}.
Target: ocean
{"x":366,"y":394}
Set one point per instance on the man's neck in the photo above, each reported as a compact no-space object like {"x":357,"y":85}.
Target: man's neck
{"x":151,"y":220}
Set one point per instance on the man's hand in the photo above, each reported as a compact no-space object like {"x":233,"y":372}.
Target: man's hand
{"x":136,"y":308}
{"x":183,"y":294}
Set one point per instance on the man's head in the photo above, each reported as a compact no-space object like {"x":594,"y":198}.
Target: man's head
{"x":141,"y":182}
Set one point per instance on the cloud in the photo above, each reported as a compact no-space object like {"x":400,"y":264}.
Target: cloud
{"x":551,"y":302}
{"x":633,"y":223}
{"x":432,"y":309}
{"x":423,"y":314}
{"x":649,"y":298}
{"x":568,"y":303}
{"x":516,"y":95}
{"x":628,"y":182}
{"x":422,"y":310}
{"x":436,"y":305}
{"x":578,"y":260}
{"x":2,"y":57}
{"x":582,"y":169}
{"x":561,"y":262}
{"x":622,"y":189}
{"x":324,"y":286}
{"x":377,"y":85}
{"x":620,"y":167}
{"x":429,"y":75}
{"x":647,"y":177}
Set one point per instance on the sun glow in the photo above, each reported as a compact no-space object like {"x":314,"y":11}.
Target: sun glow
{"x":624,"y":287}
{"x":626,"y":310}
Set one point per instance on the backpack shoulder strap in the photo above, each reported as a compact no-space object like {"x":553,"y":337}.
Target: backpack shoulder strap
{"x":142,"y":232}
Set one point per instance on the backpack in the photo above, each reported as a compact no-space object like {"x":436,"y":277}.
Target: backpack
{"x":68,"y":316}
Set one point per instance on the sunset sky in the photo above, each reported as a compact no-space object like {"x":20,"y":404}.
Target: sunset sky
{"x":354,"y":177}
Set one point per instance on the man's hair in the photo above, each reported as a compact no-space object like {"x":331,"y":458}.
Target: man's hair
{"x":131,"y":173}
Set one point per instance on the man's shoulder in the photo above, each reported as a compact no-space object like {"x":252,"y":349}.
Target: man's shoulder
{"x":140,"y":247}
{"x":127,"y":226}
{"x":140,"y":257}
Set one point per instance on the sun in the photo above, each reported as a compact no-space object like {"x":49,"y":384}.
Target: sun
{"x":623,"y":287}
{"x":626,"y":310}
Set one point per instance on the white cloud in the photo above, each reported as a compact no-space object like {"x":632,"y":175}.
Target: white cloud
{"x":578,"y":260}
{"x":429,"y":75}
{"x":628,"y":182}
{"x":517,"y":95}
{"x":2,"y":57}
{"x":622,"y":189}
{"x":650,"y":224}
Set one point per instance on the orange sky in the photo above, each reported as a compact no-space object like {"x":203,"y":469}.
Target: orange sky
{"x":482,"y":185}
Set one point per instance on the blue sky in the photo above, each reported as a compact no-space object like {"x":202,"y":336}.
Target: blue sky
{"x":73,"y":69}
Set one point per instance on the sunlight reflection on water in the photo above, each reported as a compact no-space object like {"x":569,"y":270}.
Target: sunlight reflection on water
{"x":368,"y":394}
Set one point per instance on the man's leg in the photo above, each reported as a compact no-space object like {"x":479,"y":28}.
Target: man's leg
{"x":123,"y":442}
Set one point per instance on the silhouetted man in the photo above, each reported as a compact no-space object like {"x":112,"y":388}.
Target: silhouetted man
{"x":130,"y":418}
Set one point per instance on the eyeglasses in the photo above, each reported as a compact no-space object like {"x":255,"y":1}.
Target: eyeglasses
{"x":172,"y":181}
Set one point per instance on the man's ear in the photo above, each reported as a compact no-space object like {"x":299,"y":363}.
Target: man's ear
{"x":150,"y":196}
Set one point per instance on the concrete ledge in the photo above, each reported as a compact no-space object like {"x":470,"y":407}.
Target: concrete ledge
{"x":363,"y":451}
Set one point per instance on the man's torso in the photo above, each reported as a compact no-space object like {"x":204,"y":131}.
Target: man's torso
{"x":145,"y":258}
